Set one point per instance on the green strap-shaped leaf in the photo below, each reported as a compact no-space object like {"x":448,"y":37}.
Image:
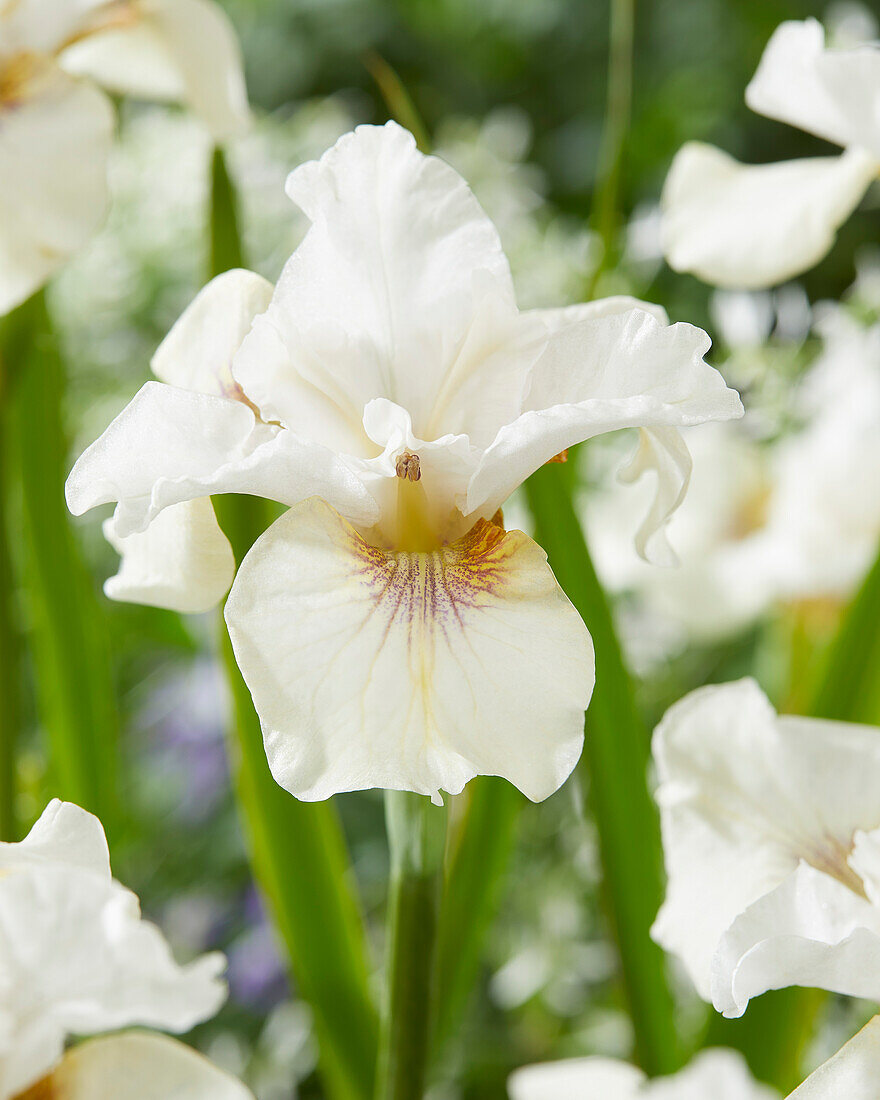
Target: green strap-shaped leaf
{"x":613,"y":771}
{"x":849,"y":688}
{"x":10,"y":637}
{"x":297,"y":848}
{"x":476,"y":869}
{"x":66,"y":635}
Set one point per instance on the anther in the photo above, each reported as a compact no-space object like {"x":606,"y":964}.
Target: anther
{"x":407,"y":466}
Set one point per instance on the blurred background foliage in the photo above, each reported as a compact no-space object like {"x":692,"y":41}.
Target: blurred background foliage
{"x":512,"y":92}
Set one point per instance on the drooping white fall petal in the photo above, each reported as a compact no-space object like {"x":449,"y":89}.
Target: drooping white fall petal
{"x":462,"y":661}
{"x":392,"y":376}
{"x":851,"y":1074}
{"x":719,"y":1074}
{"x":55,"y":136}
{"x":182,"y":562}
{"x":75,"y":955}
{"x":754,"y":225}
{"x":762,"y":819}
{"x":140,"y":1066}
{"x":185,"y":51}
{"x":834,"y":93}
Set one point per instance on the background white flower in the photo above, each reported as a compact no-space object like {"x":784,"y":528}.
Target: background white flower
{"x":719,"y":1074}
{"x":76,"y":958}
{"x":851,"y":1074}
{"x":771,"y":835}
{"x":56,"y":125}
{"x":766,"y":521}
{"x":137,"y":1066}
{"x":755,"y":225}
{"x":390,"y":633}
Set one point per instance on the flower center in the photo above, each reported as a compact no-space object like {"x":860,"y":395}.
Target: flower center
{"x":44,"y":1089}
{"x":750,"y":515}
{"x":408,"y":466}
{"x":15,"y":74}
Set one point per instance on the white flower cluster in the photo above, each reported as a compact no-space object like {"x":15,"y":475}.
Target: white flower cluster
{"x":390,"y":392}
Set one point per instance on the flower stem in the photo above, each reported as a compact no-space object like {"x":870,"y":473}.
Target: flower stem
{"x":479,"y":855}
{"x":10,"y":641}
{"x":606,"y":204}
{"x":416,"y":838}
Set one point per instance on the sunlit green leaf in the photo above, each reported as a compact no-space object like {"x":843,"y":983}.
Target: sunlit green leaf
{"x":66,"y":633}
{"x":613,"y":772}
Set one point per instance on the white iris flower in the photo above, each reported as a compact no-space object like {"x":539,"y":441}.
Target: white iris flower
{"x":771,"y":834}
{"x":738,"y":225}
{"x":56,"y":125}
{"x":392,"y":394}
{"x":76,"y":958}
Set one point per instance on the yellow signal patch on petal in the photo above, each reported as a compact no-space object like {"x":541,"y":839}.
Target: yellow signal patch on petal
{"x":408,"y":670}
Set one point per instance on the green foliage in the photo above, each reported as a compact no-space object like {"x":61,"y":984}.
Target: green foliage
{"x":613,"y":772}
{"x":66,"y":637}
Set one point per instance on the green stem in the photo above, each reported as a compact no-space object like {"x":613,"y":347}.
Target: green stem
{"x":10,"y":640}
{"x":613,"y":771}
{"x":477,"y":866}
{"x":397,"y":99}
{"x":848,"y":688}
{"x":225,"y":233}
{"x":416,"y":834}
{"x":75,"y":688}
{"x":606,"y":204}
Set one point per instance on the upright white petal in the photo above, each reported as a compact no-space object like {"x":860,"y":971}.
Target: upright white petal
{"x":54,"y":141}
{"x":409,"y":671}
{"x":182,"y":562}
{"x":64,"y":835}
{"x":716,"y":1074}
{"x":760,"y":815}
{"x":851,"y":1074}
{"x":382,"y":298}
{"x":142,"y":1067}
{"x":197,"y":353}
{"x":75,"y":955}
{"x":834,"y":93}
{"x":618,"y":370}
{"x":169,"y":445}
{"x":750,"y":226}
{"x":179,"y":50}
